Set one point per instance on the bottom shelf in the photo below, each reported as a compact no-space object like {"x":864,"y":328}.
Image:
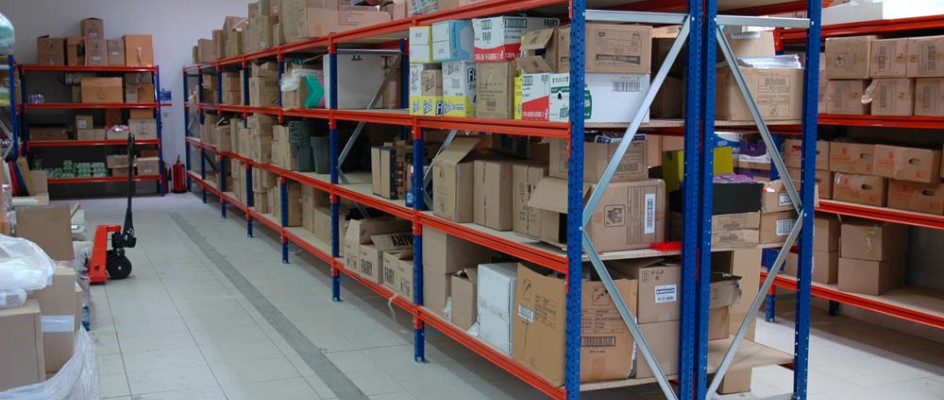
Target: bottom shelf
{"x":105,"y":179}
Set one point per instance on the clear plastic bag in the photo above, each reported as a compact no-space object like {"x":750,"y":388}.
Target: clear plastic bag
{"x":77,"y":380}
{"x":24,"y":265}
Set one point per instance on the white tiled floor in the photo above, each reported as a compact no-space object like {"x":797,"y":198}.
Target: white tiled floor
{"x":179,"y":329}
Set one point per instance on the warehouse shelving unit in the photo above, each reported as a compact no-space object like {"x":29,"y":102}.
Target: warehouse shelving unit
{"x":698,"y":357}
{"x":31,"y":145}
{"x":912,"y":304}
{"x":12,"y":126}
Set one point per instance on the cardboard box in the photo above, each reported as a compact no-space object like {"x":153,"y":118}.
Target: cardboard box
{"x":921,"y":197}
{"x":929,"y":97}
{"x":75,"y":51}
{"x":495,"y":90}
{"x":492,"y":194}
{"x":359,"y":232}
{"x":540,"y":328}
{"x":22,"y":346}
{"x":48,"y":226}
{"x":907,"y":163}
{"x":458,"y":89}
{"x":139,"y":50}
{"x":48,"y":133}
{"x":58,"y":305}
{"x":735,"y":222}
{"x":398,"y":272}
{"x":535,"y":97}
{"x":425,"y":99}
{"x":663,"y":338}
{"x":719,"y":323}
{"x":631,"y":215}
{"x":50,"y":51}
{"x":633,"y":166}
{"x":452,"y":40}
{"x":495,"y":303}
{"x":750,"y":43}
{"x":96,"y":52}
{"x":421,"y":7}
{"x":84,"y":121}
{"x":102,"y":90}
{"x":498,"y":39}
{"x":848,"y":57}
{"x":370,"y":262}
{"x":90,"y":134}
{"x":845,"y":97}
{"x":826,"y":233}
{"x":443,"y":256}
{"x":861,"y":189}
{"x":464,"y":299}
{"x":148,"y":166}
{"x":777,"y":91}
{"x":669,"y":100}
{"x":889,"y":58}
{"x":545,"y":51}
{"x":524,"y":181}
{"x":892,"y":97}
{"x":793,"y":154}
{"x":618,"y":49}
{"x":870,"y":277}
{"x":658,"y":296}
{"x":206,"y":52}
{"x":926,"y":57}
{"x":775,"y":227}
{"x":143,"y":128}
{"x":825,"y":266}
{"x":93,"y":28}
{"x":610,"y":98}
{"x":873,"y":240}
{"x":453,"y":181}
{"x":421,"y":44}
{"x":775,"y":198}
{"x":853,"y":158}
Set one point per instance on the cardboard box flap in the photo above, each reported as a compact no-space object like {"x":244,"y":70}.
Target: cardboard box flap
{"x":725,"y":290}
{"x":551,"y":195}
{"x":392,"y":241}
{"x":470,"y":274}
{"x":456,"y":152}
{"x":537,"y":39}
{"x":531,"y":61}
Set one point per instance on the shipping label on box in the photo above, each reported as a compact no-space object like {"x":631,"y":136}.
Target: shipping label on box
{"x":459,"y":81}
{"x":860,"y":189}
{"x":929,"y":97}
{"x":913,"y":196}
{"x":618,"y":49}
{"x":907,"y":163}
{"x":893,"y":97}
{"x":609,"y":98}
{"x":926,"y":57}
{"x":498,"y":39}
{"x":452,"y":40}
{"x":535,"y":97}
{"x":775,"y":227}
{"x":848,"y":57}
{"x":853,"y":158}
{"x":889,"y":58}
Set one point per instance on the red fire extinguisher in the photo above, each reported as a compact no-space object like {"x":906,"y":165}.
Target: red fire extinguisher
{"x":179,"y":177}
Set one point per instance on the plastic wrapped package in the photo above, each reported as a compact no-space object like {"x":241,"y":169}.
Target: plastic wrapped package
{"x":77,"y":380}
{"x":24,"y":265}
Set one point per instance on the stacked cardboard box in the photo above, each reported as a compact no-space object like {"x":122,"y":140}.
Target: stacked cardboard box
{"x":264,"y":85}
{"x":872,"y":256}
{"x":445,"y":255}
{"x":391,"y":165}
{"x":793,"y":158}
{"x":825,"y":251}
{"x":92,"y":49}
{"x":305,"y":19}
{"x":907,"y":178}
{"x":366,"y":241}
{"x":232,"y":86}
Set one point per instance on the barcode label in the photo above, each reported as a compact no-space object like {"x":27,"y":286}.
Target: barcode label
{"x":650,"y":223}
{"x":884,"y":96}
{"x":784,"y":199}
{"x":624,"y":86}
{"x":784,"y":227}
{"x":932,"y":58}
{"x":605,"y":341}
{"x":526,"y":313}
{"x":666,"y":293}
{"x":746,"y":35}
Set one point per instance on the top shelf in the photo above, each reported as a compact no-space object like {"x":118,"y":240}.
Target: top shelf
{"x":65,"y":68}
{"x":795,"y":36}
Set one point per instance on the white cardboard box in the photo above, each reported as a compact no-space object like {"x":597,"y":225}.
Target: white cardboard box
{"x":452,"y":40}
{"x":535,"y":96}
{"x":610,"y":98}
{"x":498,"y":39}
{"x":458,"y":88}
{"x":495,"y":302}
{"x":421,"y":45}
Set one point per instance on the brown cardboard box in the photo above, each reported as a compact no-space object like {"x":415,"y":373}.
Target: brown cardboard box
{"x":777,"y":91}
{"x":734,"y":222}
{"x":907,"y":163}
{"x":539,"y":328}
{"x":775,"y":198}
{"x":102,"y":90}
{"x":398,"y":272}
{"x":775,"y":227}
{"x":667,"y":104}
{"x":848,"y":57}
{"x":618,"y":49}
{"x":149,"y":166}
{"x":84,"y":121}
{"x":873,"y":240}
{"x":50,"y":51}
{"x":57,"y":303}
{"x":658,"y":296}
{"x":929,"y":97}
{"x":48,"y":226}
{"x":48,"y":133}
{"x":889,"y":58}
{"x":826,"y":233}
{"x":495,"y":90}
{"x":304,"y":19}
{"x":75,"y":51}
{"x":90,"y":134}
{"x":745,"y":263}
{"x":370,"y":263}
{"x":116,"y":52}
{"x":631,"y":215}
{"x":913,"y":196}
{"x":464,"y":302}
{"x":733,"y":238}
{"x":118,"y":161}
{"x":453,"y":181}
{"x":96,"y":52}
{"x":870,"y":277}
{"x":492,"y":194}
{"x":633,"y":167}
{"x":22,"y":346}
{"x":525,"y":179}
{"x":93,"y":28}
{"x":719,"y":323}
{"x":793,"y":153}
{"x":845,"y":97}
{"x":545,"y":51}
{"x":206,"y":52}
{"x":892,"y":96}
{"x":926,"y":57}
{"x":663,"y":338}
{"x":825,"y":266}
{"x":139,"y":51}
{"x":861,"y":189}
{"x":143,"y":128}
{"x":853,"y":158}
{"x":444,"y":255}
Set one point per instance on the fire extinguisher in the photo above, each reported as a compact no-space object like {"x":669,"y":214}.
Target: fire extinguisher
{"x":179,"y":177}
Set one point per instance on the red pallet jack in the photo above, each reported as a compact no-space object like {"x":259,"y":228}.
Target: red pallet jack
{"x":113,"y":263}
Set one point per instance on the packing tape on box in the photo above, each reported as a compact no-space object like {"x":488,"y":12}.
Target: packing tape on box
{"x":58,"y":323}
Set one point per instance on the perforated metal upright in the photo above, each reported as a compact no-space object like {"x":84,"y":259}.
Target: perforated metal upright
{"x":334,"y":142}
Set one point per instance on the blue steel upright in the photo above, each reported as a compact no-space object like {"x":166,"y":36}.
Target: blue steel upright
{"x":693,"y":104}
{"x":805,"y":267}
{"x":578,"y":24}
{"x":160,"y":127}
{"x":222,"y":160}
{"x":334,"y":141}
{"x":283,"y":202}
{"x":419,"y":329}
{"x":249,"y":199}
{"x":187,"y":128}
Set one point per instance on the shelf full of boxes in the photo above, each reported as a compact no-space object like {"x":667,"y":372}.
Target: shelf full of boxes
{"x":881,"y":103}
{"x":113,"y":83}
{"x":271,"y":129}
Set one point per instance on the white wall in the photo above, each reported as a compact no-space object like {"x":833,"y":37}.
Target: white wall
{"x":175,"y":24}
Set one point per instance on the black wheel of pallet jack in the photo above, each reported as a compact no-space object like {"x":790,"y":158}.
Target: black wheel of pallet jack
{"x":118,"y":266}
